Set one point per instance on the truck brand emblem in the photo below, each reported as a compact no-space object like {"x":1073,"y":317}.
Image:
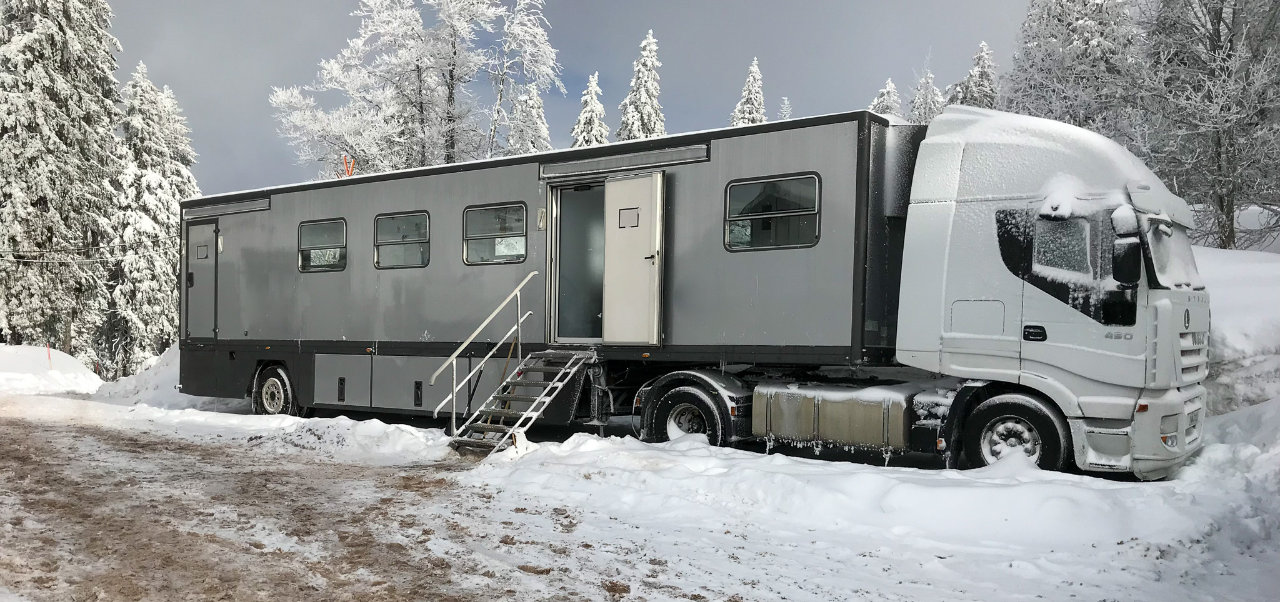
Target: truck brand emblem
{"x":1186,"y":318}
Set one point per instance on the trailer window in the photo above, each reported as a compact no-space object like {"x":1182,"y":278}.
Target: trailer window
{"x":772,"y":213}
{"x":402,"y":241}
{"x":494,"y":234}
{"x":322,"y":246}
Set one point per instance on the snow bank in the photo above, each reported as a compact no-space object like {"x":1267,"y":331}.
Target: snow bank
{"x":157,"y":386}
{"x":1229,"y":491}
{"x":38,"y":371}
{"x":342,"y":439}
{"x":1244,"y":345}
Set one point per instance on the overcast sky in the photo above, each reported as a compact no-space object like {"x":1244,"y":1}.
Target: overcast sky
{"x":221,"y":59}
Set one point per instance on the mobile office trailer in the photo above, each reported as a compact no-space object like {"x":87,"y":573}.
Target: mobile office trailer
{"x":740,"y":283}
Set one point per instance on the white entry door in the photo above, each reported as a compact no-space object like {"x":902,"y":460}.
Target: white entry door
{"x":633,"y":260}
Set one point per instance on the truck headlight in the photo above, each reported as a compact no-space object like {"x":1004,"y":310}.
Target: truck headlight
{"x":1169,"y":431}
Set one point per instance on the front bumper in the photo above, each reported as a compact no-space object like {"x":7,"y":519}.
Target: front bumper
{"x":1163,"y":434}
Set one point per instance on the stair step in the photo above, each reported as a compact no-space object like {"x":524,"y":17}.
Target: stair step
{"x":554,"y":353}
{"x":541,"y":384}
{"x":543,"y":369}
{"x":481,"y":427}
{"x":512,"y":397}
{"x":502,"y":413}
{"x":485,"y":445}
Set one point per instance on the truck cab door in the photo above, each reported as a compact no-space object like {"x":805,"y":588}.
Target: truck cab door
{"x":1078,"y":325}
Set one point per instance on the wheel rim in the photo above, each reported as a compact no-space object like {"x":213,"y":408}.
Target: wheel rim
{"x":1010,"y":434}
{"x":273,"y":395}
{"x":685,"y":419}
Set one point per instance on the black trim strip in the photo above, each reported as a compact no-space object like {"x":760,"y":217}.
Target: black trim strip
{"x":606,"y":150}
{"x":696,"y":354}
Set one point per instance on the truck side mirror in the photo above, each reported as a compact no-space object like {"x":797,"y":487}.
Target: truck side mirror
{"x":1126,"y":261}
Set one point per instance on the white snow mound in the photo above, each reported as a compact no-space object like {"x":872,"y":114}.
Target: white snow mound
{"x":341,"y":439}
{"x":26,"y":370}
{"x":1244,"y":342}
{"x":1230,"y":490}
{"x":157,"y":386}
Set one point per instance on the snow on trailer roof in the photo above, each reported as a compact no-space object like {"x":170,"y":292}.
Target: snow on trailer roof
{"x":972,"y":153}
{"x":558,"y":155}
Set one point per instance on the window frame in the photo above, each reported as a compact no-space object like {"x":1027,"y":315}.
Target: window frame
{"x":343,"y":246}
{"x":465,"y":239}
{"x":377,"y":244}
{"x":816,"y":212}
{"x":1087,"y":226}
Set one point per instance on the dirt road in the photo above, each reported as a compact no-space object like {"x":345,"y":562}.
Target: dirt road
{"x":88,"y":513}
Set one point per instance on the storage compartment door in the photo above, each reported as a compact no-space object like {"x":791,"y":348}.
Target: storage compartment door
{"x":633,"y":258}
{"x":201,"y":280}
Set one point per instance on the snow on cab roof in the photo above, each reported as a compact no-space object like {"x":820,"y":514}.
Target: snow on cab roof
{"x":972,"y":153}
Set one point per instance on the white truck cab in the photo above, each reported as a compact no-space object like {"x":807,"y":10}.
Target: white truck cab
{"x":1049,"y":263}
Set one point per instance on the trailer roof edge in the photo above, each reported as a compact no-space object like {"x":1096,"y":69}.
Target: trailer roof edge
{"x":699,"y":137}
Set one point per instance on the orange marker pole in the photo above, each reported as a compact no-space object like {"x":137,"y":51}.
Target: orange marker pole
{"x":49,"y":352}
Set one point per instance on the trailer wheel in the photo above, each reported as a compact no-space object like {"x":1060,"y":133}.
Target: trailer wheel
{"x":1016,"y":423}
{"x":273,"y":394}
{"x":689,"y":410}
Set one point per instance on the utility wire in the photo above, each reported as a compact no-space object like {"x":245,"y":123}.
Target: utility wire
{"x":85,"y":249}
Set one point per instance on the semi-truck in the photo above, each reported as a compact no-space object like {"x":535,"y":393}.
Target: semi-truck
{"x":990,"y":284}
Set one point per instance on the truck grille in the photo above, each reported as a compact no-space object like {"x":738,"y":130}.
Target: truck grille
{"x":1194,"y":358}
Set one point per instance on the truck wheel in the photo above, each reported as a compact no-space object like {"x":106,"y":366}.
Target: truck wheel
{"x":273,"y":394}
{"x":689,"y":410}
{"x":1016,"y":423}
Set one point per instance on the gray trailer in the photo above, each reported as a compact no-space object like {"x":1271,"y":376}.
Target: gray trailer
{"x":739,"y":283}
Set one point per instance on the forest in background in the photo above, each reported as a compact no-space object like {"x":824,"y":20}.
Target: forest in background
{"x":92,"y":171}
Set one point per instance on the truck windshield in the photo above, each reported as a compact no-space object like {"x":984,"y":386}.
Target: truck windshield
{"x":1175,"y":265}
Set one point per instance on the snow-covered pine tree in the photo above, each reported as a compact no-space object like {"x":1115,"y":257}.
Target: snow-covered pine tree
{"x":1211,"y":108}
{"x":528,"y":132}
{"x":784,"y":110}
{"x":524,"y":57}
{"x":978,"y":88}
{"x":142,"y":320}
{"x":57,"y":157}
{"x":1077,"y":61}
{"x":927,"y":102}
{"x":887,"y":101}
{"x":641,"y":113}
{"x":590,"y":129}
{"x":750,"y":109}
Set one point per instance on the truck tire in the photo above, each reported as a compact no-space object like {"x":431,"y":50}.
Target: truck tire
{"x":689,"y":410}
{"x":1016,"y":423}
{"x":273,"y":394}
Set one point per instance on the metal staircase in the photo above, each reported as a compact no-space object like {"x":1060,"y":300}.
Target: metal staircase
{"x":523,"y":394}
{"x":520,"y":400}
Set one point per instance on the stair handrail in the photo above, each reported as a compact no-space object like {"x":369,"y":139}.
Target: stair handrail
{"x":480,"y":366}
{"x":454,"y":356}
{"x":452,"y":361}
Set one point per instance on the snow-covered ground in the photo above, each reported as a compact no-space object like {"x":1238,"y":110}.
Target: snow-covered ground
{"x":613,"y":518}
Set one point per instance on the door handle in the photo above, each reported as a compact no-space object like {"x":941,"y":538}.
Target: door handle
{"x":652,"y":257}
{"x":191,"y":279}
{"x":1034,"y":333}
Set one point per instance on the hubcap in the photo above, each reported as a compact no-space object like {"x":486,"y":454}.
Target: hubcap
{"x":273,"y":395}
{"x":1010,"y":434}
{"x":685,"y":419}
